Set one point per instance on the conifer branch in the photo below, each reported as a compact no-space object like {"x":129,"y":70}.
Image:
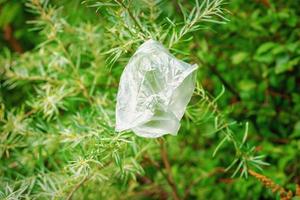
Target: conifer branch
{"x":203,"y":12}
{"x":131,"y":15}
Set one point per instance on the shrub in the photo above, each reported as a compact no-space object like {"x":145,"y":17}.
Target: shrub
{"x":57,"y":106}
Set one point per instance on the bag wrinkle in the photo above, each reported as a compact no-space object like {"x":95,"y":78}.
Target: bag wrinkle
{"x":154,"y":90}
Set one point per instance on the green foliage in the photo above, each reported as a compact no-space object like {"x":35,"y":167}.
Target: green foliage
{"x":57,"y":101}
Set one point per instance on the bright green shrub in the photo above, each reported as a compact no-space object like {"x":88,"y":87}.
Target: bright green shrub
{"x":57,"y":137}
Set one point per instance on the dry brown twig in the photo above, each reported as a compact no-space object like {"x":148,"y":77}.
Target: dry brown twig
{"x":297,"y":190}
{"x":77,"y":186}
{"x":164,"y":156}
{"x":8,"y":35}
{"x":267,"y":182}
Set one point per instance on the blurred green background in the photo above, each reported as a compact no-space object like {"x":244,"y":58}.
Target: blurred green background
{"x":256,"y":56}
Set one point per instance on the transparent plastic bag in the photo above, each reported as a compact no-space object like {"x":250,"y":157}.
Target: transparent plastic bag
{"x":154,"y":90}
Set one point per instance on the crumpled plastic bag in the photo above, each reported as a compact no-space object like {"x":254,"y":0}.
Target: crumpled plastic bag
{"x":154,"y":90}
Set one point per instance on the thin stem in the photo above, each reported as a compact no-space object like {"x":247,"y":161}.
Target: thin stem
{"x":86,"y":178}
{"x":79,"y":81}
{"x":217,"y":73}
{"x":267,"y":182}
{"x":131,"y":15}
{"x":230,"y":88}
{"x":12,"y":75}
{"x":196,"y":16}
{"x":297,"y":190}
{"x":167,"y":166}
{"x":10,"y":38}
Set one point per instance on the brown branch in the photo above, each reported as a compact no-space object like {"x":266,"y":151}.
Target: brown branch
{"x":154,"y":190}
{"x":9,"y":37}
{"x":297,"y":190}
{"x":86,"y":178}
{"x":177,"y":7}
{"x":167,"y":166}
{"x":267,"y":182}
{"x":219,"y":75}
{"x":266,"y":3}
{"x":278,"y":94}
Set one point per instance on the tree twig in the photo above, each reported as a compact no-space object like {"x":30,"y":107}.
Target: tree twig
{"x":267,"y":182}
{"x":84,"y":180}
{"x":77,"y":186}
{"x":297,"y":190}
{"x":266,"y":3}
{"x":230,"y":88}
{"x":9,"y":37}
{"x":167,"y":166}
{"x":131,"y":15}
{"x":217,"y":73}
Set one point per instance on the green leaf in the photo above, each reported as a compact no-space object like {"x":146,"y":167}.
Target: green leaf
{"x":265,"y":47}
{"x":246,"y":85}
{"x":8,"y":13}
{"x":203,"y":45}
{"x":284,"y":64}
{"x":296,"y":132}
{"x":219,"y":145}
{"x":239,"y":57}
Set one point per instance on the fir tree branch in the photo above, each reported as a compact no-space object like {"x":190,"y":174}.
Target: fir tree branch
{"x":84,"y":180}
{"x":78,"y":78}
{"x":203,"y":12}
{"x":131,"y":15}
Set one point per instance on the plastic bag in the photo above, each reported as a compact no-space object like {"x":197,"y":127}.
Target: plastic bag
{"x":154,"y":90}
